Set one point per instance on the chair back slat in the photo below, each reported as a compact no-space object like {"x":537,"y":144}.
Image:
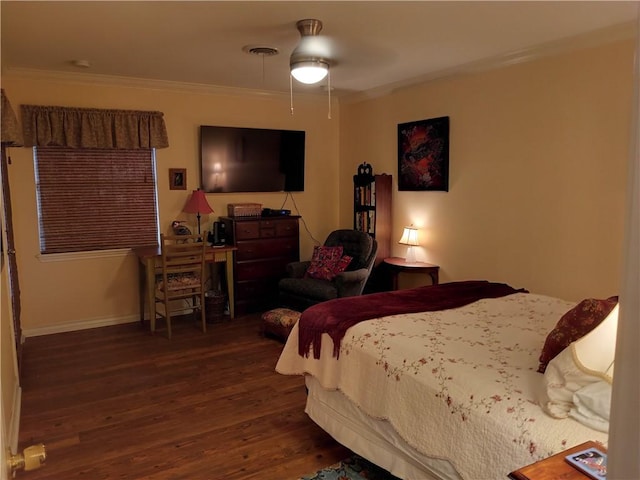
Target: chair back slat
{"x":182,"y":270}
{"x":182,"y":251}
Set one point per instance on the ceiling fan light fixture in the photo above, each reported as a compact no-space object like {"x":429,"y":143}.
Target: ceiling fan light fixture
{"x":308,"y":63}
{"x":309,"y":71}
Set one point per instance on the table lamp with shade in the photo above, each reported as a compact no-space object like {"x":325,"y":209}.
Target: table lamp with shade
{"x":597,"y":349}
{"x":197,"y":204}
{"x":410,"y":238}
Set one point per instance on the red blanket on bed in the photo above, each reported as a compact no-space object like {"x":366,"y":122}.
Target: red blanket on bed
{"x":334,"y":317}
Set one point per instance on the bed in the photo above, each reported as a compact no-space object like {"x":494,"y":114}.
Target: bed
{"x":447,"y":393}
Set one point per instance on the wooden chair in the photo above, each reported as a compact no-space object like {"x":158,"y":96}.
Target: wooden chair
{"x":182,"y":277}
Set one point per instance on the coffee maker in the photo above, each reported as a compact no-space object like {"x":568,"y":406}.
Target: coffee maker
{"x":217,"y":236}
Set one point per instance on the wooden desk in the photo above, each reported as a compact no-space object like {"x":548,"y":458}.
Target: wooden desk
{"x":555,"y":467}
{"x":149,"y":258}
{"x":397,"y":265}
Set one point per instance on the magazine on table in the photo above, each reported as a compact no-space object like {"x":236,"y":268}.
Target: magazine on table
{"x":592,"y":462}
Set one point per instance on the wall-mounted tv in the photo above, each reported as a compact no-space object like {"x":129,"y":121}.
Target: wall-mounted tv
{"x":234,"y":159}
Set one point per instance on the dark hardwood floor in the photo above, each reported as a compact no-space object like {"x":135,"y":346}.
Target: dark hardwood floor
{"x":119,"y":403}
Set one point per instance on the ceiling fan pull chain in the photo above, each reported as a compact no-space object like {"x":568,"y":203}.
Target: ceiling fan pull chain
{"x":291,"y":92}
{"x":329,"y":89}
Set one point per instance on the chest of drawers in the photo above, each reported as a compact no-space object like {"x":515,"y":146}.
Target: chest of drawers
{"x":265,"y":246}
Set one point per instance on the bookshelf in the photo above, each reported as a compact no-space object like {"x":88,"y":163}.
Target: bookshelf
{"x":372,"y":211}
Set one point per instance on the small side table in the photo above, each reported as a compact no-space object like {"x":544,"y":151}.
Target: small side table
{"x":397,"y":265}
{"x":555,"y":467}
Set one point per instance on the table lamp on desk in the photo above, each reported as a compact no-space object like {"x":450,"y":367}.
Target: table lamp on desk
{"x":197,"y":204}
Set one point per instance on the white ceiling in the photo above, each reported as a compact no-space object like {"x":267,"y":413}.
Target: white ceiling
{"x":375,"y":45}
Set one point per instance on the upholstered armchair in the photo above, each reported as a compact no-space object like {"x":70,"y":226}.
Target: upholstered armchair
{"x":340,"y":268}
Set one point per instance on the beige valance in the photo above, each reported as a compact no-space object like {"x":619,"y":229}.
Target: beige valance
{"x":92,"y":128}
{"x":9,"y":128}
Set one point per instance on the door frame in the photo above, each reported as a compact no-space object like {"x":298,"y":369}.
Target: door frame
{"x":10,"y":377}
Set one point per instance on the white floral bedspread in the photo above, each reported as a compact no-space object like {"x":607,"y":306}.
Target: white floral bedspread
{"x":459,"y":384}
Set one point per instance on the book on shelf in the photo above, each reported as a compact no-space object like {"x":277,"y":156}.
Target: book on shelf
{"x":363,"y":196}
{"x":372,"y":188}
{"x":592,"y":462}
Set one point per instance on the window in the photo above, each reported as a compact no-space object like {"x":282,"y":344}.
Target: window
{"x":95,"y":199}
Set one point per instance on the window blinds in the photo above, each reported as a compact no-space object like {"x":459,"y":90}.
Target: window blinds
{"x":95,"y":199}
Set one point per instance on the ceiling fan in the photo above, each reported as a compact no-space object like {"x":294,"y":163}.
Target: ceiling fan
{"x":309,"y":61}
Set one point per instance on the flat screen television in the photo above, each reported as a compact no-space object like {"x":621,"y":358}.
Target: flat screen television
{"x":234,"y":159}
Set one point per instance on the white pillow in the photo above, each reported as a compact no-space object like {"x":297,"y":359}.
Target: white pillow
{"x":592,"y":404}
{"x":564,"y":376}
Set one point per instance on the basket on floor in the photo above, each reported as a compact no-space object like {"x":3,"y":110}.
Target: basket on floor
{"x":214,"y":305}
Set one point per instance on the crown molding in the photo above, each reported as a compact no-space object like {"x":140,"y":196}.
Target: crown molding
{"x":620,"y":32}
{"x":149,"y":84}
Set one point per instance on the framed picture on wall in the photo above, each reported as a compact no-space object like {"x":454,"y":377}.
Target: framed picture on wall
{"x":177,"y":179}
{"x":423,"y":155}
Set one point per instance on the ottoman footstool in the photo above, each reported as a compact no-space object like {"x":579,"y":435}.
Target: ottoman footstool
{"x":279,"y":322}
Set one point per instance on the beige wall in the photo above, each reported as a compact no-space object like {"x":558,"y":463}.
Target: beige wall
{"x":538,"y":155}
{"x":71,"y":293}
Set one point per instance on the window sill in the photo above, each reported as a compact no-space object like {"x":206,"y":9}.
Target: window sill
{"x":65,"y":257}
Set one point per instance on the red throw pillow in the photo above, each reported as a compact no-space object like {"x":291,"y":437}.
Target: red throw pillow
{"x":342,"y":264}
{"x":323,"y":262}
{"x":573,"y":325}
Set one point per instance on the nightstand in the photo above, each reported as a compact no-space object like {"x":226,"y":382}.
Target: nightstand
{"x":555,"y":467}
{"x":395,"y":265}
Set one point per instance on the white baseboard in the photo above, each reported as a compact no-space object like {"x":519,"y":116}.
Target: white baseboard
{"x":79,"y":325}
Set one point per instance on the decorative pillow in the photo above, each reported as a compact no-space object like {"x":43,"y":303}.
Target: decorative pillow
{"x":573,"y":325}
{"x":323,"y":262}
{"x":565,"y":376}
{"x":342,"y":264}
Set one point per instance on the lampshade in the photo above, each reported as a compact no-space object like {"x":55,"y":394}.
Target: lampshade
{"x":309,"y":71}
{"x":597,"y":349}
{"x":409,"y":236}
{"x":197,"y":203}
